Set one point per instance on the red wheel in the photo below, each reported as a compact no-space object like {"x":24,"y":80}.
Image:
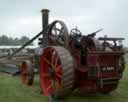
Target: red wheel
{"x":27,"y":73}
{"x":56,"y":71}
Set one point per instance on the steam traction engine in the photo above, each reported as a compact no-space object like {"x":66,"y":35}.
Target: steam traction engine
{"x":68,"y":61}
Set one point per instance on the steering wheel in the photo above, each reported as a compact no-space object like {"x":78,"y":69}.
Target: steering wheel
{"x":76,"y":33}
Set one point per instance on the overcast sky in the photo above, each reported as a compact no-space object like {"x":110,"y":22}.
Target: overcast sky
{"x":23,"y":17}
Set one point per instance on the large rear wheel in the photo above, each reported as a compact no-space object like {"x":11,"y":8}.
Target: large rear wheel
{"x":56,"y":71}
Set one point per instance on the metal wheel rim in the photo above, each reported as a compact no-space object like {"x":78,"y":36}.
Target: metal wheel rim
{"x":24,"y":73}
{"x":49,"y":82}
{"x":27,"y":73}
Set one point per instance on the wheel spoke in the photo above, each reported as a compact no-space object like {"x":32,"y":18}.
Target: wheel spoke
{"x":55,"y":29}
{"x":57,"y":68}
{"x":48,"y":62}
{"x":56,"y":61}
{"x":51,"y":85}
{"x":59,"y":80}
{"x":61,"y":31}
{"x":60,"y":35}
{"x":56,"y":84}
{"x":59,"y":73}
{"x":52,"y":59}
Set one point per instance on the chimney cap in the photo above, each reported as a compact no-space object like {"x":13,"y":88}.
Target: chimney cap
{"x":45,"y":10}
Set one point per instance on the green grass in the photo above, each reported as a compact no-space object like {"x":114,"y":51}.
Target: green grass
{"x":11,"y":90}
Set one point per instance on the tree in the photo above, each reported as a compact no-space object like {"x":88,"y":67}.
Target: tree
{"x":4,"y":40}
{"x":9,"y":41}
{"x":24,"y":39}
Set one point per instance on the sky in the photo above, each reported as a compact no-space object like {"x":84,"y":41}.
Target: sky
{"x":23,"y":17}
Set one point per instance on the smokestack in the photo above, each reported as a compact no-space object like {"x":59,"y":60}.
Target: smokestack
{"x":45,"y":18}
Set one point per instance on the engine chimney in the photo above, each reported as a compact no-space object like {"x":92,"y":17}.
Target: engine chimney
{"x":45,"y":18}
{"x":45,"y":21}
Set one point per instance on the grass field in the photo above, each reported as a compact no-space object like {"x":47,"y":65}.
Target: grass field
{"x":11,"y":90}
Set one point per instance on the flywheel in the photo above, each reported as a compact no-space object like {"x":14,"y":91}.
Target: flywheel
{"x":56,"y":71}
{"x":58,"y":34}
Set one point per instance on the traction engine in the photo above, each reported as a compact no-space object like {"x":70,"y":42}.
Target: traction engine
{"x":74,"y":61}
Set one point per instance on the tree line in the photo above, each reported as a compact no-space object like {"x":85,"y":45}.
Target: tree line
{"x":9,"y":41}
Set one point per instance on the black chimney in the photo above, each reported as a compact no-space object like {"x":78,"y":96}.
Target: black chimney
{"x":45,"y":18}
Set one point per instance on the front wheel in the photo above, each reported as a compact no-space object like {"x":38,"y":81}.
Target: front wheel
{"x":27,"y":73}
